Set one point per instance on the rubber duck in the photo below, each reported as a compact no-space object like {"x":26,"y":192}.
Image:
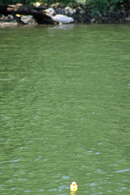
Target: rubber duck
{"x":73,"y":186}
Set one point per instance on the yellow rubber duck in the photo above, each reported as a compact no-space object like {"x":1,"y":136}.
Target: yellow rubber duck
{"x":73,"y":186}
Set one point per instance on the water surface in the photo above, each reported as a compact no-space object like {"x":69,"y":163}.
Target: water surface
{"x":65,"y":109}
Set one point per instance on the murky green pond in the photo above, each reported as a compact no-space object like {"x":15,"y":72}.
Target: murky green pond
{"x":65,"y":110}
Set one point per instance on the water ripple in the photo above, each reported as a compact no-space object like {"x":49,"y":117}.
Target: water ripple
{"x":121,"y":171}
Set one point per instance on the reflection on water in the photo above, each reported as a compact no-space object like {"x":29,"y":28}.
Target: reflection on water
{"x":65,"y":109}
{"x":72,"y":193}
{"x":62,"y":27}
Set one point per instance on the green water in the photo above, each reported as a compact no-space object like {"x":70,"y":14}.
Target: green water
{"x":65,"y":110}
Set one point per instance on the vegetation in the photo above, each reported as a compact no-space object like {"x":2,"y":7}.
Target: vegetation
{"x":33,"y":1}
{"x":96,"y":4}
{"x":102,"y":7}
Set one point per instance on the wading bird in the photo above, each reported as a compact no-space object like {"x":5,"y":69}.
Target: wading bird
{"x":61,"y":19}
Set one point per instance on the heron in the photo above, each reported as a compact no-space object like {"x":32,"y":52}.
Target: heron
{"x":61,"y":19}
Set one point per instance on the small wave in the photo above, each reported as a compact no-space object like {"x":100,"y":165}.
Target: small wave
{"x":121,"y":171}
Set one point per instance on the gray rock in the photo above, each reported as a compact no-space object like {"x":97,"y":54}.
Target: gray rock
{"x":69,"y":11}
{"x":59,"y":10}
{"x":28,"y":19}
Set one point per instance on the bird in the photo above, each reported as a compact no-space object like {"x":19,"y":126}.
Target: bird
{"x":73,"y":186}
{"x":61,"y":19}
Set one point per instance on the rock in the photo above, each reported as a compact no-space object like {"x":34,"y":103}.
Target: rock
{"x":10,"y":17}
{"x":127,"y":19}
{"x":69,"y":11}
{"x":37,"y":4}
{"x":93,"y":20}
{"x":28,"y":19}
{"x":80,"y":11}
{"x":59,"y":10}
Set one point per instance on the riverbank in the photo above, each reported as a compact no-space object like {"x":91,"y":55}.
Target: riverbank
{"x":12,"y":15}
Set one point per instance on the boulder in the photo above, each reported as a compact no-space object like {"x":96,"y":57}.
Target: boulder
{"x":28,"y":19}
{"x":69,"y":11}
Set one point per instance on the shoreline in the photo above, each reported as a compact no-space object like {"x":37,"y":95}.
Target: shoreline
{"x":15,"y":25}
{"x":13,"y":15}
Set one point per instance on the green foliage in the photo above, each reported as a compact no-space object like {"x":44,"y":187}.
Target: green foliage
{"x":96,"y":7}
{"x":102,"y":7}
{"x":33,"y":1}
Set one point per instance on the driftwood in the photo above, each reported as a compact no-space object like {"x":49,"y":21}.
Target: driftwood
{"x":19,"y":9}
